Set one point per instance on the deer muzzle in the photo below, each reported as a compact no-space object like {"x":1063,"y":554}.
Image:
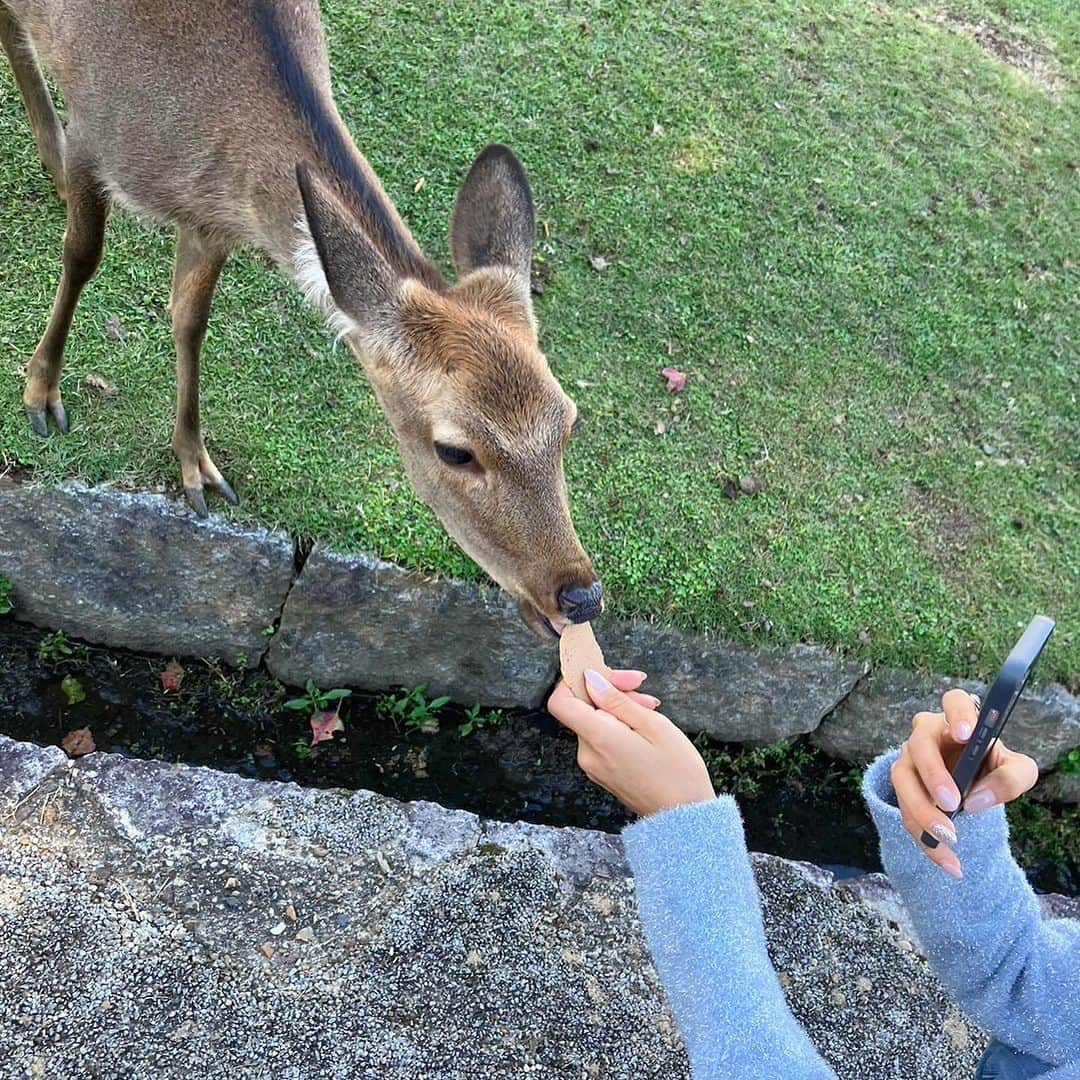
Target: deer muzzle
{"x":581,"y":603}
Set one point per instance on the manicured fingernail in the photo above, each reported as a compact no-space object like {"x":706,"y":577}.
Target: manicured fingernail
{"x":597,"y":681}
{"x":962,"y":731}
{"x":655,"y":700}
{"x":942,"y":833}
{"x":953,"y":870}
{"x":945,"y":798}
{"x":643,"y":674}
{"x":980,"y":799}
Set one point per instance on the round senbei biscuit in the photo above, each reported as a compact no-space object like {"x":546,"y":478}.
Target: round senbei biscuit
{"x":578,"y":650}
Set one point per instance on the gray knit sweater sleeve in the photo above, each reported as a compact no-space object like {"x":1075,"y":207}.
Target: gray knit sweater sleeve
{"x":1013,"y":972}
{"x":701,"y":912}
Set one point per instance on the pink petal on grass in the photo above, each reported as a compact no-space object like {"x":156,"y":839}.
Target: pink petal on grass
{"x":323,"y":726}
{"x":676,"y":380}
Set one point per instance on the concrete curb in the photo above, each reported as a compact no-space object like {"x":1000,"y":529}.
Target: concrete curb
{"x":140,"y":571}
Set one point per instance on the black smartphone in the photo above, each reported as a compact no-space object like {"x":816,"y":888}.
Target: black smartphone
{"x":995,"y":710}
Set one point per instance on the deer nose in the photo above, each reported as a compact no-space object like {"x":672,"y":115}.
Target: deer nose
{"x":581,"y":603}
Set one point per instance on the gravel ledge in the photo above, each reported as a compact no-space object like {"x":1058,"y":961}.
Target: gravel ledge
{"x":167,"y":921}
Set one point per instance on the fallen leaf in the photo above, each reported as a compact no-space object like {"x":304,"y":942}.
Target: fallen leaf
{"x":323,"y":726}
{"x":101,"y":385}
{"x":598,"y":263}
{"x":171,"y":677}
{"x":77,"y":743}
{"x":751,"y":485}
{"x":73,"y":690}
{"x":419,"y":185}
{"x":659,"y":428}
{"x":676,"y":380}
{"x":657,"y":130}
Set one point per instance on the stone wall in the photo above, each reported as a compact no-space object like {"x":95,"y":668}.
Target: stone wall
{"x":140,"y":571}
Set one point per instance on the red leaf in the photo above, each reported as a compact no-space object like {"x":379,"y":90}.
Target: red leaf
{"x":323,"y":726}
{"x":171,"y":677}
{"x":676,"y":380}
{"x":78,"y":742}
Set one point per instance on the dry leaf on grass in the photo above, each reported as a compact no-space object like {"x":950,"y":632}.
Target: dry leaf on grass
{"x":101,"y":385}
{"x":676,"y":380}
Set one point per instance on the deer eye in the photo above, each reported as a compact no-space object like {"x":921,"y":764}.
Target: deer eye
{"x":453,"y":455}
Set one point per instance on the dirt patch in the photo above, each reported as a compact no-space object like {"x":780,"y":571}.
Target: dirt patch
{"x":949,"y":532}
{"x":1032,"y":60}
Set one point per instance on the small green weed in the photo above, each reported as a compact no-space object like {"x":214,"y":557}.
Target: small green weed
{"x":5,"y":595}
{"x":413,"y":710}
{"x":740,"y":771}
{"x":475,"y":720}
{"x":55,"y":648}
{"x":1044,"y":834}
{"x":1070,"y":763}
{"x":316,"y":700}
{"x":302,"y":748}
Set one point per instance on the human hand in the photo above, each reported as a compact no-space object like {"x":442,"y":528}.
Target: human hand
{"x":628,"y":748}
{"x":923,"y":784}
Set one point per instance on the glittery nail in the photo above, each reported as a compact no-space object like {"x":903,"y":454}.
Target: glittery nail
{"x":942,"y":833}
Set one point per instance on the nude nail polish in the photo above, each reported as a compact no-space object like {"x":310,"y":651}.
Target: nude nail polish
{"x":946,"y":799}
{"x":597,"y":681}
{"x":982,"y":799}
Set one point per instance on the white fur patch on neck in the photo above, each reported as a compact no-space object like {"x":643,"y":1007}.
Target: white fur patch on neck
{"x":311,"y":278}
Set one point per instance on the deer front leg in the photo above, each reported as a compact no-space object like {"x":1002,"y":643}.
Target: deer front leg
{"x":198,"y":265}
{"x":84,"y":239}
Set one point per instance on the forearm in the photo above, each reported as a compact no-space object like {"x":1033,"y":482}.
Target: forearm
{"x":1012,"y":972}
{"x":702,"y":917}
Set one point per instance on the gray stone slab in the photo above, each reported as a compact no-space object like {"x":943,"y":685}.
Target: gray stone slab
{"x":23,"y":766}
{"x":138,"y":902}
{"x":141,"y":571}
{"x":1058,"y":787}
{"x":741,"y":695}
{"x":351,"y":620}
{"x":878,"y":715}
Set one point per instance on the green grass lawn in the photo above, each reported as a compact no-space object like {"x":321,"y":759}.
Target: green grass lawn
{"x":854,"y":225}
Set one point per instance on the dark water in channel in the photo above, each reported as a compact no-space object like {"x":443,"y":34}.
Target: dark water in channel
{"x":799,"y":804}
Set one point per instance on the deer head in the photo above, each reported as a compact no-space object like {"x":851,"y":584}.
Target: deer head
{"x":480,"y":421}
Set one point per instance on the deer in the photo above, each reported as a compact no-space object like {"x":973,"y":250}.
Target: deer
{"x":216,"y":117}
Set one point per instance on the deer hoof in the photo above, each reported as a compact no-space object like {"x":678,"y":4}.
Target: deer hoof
{"x":197,"y":501}
{"x":227,"y":492}
{"x":38,"y":424}
{"x":59,"y":415}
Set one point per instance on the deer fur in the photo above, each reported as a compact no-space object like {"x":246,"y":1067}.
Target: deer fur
{"x":217,"y":117}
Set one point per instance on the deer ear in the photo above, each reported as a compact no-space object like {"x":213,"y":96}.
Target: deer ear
{"x":494,"y":223}
{"x":340,"y":269}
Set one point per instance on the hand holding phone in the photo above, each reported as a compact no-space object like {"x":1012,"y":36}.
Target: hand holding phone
{"x":946,"y":762}
{"x":995,"y":711}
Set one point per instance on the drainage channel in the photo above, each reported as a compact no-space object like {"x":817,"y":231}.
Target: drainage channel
{"x":796,"y":801}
